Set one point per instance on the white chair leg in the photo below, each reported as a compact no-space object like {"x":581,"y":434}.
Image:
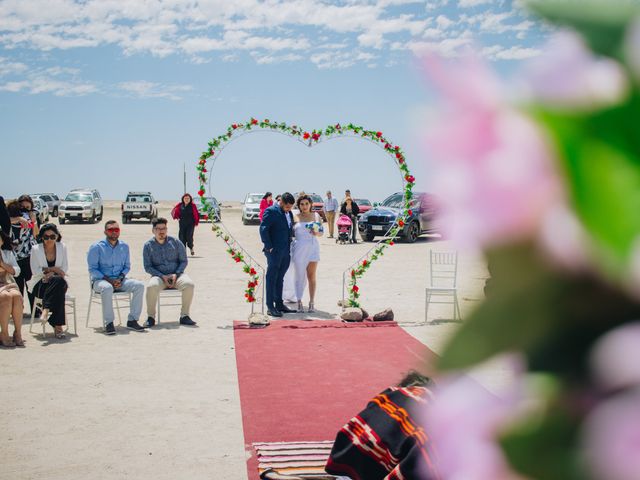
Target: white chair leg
{"x":426,"y":306}
{"x":115,"y":299}
{"x":89,"y":309}
{"x":456,"y":307}
{"x":75,"y":318}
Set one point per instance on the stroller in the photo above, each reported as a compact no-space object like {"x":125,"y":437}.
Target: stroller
{"x":345,"y":225}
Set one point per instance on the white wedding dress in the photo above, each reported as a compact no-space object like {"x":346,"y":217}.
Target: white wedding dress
{"x":304,"y":249}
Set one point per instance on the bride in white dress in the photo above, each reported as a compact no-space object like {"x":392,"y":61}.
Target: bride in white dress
{"x":305,"y":255}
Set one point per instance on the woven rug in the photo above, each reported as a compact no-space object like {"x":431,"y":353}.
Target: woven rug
{"x":301,"y":381}
{"x":293,"y":458}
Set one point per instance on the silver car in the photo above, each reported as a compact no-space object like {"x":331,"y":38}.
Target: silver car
{"x":251,"y":208}
{"x":42,"y":210}
{"x":81,"y":204}
{"x":51,"y":199}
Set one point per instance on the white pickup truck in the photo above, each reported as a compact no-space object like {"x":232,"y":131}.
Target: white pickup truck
{"x":139,"y":205}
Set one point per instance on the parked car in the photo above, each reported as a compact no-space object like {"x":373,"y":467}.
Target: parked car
{"x":216,"y":215}
{"x":139,"y":205}
{"x":363,"y":204}
{"x":251,"y":208}
{"x":318,"y":205}
{"x":42,"y":209}
{"x":81,"y":204}
{"x":51,"y":199}
{"x":378,"y":220}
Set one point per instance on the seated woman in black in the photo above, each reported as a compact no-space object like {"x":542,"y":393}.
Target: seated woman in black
{"x":49,"y":266}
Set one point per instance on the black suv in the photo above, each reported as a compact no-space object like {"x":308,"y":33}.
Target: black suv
{"x":381,"y":218}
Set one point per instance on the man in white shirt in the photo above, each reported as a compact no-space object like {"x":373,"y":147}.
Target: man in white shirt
{"x":330,"y":209}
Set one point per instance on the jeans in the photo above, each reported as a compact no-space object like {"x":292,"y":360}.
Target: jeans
{"x":184,"y":284}
{"x":277,"y":265}
{"x":105,"y":289}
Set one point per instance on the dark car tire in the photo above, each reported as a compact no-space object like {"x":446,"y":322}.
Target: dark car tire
{"x":101,"y":214}
{"x":245,"y":221}
{"x":124,"y":219}
{"x":367,"y":237}
{"x":92,"y":218}
{"x":61,"y":220}
{"x":413,"y":232}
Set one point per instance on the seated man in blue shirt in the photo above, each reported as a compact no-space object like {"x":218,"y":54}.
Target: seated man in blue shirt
{"x":109,"y":265}
{"x":165,"y":259}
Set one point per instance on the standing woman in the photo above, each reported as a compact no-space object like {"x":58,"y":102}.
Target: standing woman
{"x":187,"y":214}
{"x":265,"y":203}
{"x":49,"y":265}
{"x":23,"y":231}
{"x":305,"y":251}
{"x":10,"y":298}
{"x":351,"y":209}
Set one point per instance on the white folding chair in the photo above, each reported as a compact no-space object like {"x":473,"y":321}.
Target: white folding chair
{"x":118,"y":297}
{"x":69,"y":302}
{"x":443,"y":273}
{"x":170,"y":294}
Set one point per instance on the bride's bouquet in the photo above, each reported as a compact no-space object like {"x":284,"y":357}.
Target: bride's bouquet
{"x":315,"y":228}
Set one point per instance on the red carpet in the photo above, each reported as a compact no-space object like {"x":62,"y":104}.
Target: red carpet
{"x":302,"y":380}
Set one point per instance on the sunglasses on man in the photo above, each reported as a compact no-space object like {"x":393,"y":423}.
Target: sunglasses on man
{"x":113,"y":229}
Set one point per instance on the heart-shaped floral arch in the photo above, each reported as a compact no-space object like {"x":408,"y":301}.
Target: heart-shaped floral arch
{"x":253,"y":268}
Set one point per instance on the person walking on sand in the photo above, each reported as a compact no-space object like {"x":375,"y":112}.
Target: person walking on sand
{"x":275,"y":233}
{"x":330,"y":209}
{"x":265,"y":203}
{"x":188,"y":218}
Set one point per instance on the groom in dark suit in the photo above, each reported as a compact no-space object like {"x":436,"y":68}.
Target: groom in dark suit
{"x":275,"y":232}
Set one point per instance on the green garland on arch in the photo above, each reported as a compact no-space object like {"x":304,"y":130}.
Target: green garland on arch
{"x":311,"y":137}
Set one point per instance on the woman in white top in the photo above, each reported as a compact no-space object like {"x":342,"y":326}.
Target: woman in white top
{"x":305,"y":251}
{"x":49,"y":267}
{"x":10,"y":297}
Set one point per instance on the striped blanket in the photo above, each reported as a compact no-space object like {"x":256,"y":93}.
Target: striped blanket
{"x":294,"y":458}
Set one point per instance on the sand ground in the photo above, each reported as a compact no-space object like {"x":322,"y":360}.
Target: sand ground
{"x":164,"y":404}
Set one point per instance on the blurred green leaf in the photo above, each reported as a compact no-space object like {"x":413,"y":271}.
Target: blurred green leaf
{"x":517,"y":314}
{"x":553,"y":317}
{"x":600,"y":155}
{"x":544,"y":447}
{"x":602,"y":23}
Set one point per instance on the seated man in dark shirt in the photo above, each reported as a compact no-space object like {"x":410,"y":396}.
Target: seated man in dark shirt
{"x":165,"y":259}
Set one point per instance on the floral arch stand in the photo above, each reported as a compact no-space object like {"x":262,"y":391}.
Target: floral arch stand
{"x":254,"y":291}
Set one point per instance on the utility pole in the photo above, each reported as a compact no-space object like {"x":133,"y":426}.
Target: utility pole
{"x":184,"y":178}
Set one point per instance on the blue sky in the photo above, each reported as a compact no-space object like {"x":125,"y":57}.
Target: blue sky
{"x":118,"y":95}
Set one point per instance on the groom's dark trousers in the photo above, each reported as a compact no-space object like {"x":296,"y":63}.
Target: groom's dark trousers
{"x":275,"y":234}
{"x":277,"y":265}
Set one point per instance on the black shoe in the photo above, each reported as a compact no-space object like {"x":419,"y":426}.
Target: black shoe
{"x":133,"y":325}
{"x":151,"y":322}
{"x":187,"y":321}
{"x":272,"y":312}
{"x":285,"y":309}
{"x":110,"y":329}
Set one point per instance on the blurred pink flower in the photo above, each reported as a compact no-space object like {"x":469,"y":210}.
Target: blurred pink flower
{"x":568,"y":76}
{"x":492,"y":166}
{"x":615,"y":359}
{"x":464,"y":421}
{"x":611,"y":438}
